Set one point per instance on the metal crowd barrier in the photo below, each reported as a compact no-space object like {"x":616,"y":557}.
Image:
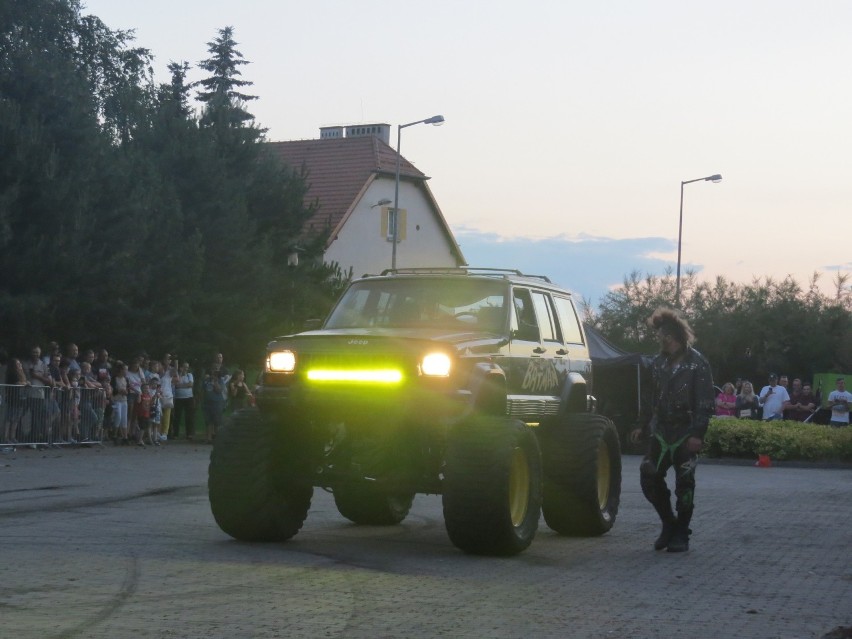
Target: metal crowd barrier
{"x":40,"y":416}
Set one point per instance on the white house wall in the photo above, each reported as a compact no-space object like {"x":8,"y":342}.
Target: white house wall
{"x":361,"y":245}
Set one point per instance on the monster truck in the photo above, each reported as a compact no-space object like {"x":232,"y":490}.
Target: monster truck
{"x":474,"y":384}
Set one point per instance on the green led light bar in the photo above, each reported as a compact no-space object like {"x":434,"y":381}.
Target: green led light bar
{"x":380,"y":376}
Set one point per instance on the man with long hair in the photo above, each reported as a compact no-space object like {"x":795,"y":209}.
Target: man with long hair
{"x":680,"y":412}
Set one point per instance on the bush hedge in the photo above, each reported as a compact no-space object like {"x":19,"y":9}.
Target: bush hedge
{"x":781,"y":440}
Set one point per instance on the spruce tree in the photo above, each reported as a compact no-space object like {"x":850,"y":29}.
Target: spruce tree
{"x":224,"y":103}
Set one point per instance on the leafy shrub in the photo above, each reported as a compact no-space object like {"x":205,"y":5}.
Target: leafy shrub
{"x":781,"y":440}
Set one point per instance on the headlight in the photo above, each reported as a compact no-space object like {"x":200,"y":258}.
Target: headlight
{"x":436,"y":365}
{"x":281,"y":362}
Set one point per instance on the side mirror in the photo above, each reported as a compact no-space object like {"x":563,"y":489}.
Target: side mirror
{"x":312,"y":324}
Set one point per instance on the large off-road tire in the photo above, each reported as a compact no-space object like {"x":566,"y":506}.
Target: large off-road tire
{"x":492,"y":486}
{"x":582,"y":474}
{"x":254,"y":493}
{"x":365,"y":503}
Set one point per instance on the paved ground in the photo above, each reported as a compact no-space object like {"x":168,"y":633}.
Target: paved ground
{"x":119,"y":542}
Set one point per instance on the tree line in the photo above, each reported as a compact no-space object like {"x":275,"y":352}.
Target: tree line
{"x":134,"y":212}
{"x":141,"y":213}
{"x":745,"y":330}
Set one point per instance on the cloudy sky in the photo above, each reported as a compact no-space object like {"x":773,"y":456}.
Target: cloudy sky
{"x":571,"y":125}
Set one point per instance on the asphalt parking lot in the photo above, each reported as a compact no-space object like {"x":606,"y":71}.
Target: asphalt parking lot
{"x":119,"y":542}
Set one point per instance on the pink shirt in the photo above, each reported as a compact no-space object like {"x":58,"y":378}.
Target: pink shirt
{"x":731,"y":399}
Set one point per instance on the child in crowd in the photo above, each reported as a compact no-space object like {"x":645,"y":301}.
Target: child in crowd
{"x":239,"y":395}
{"x":156,"y":409}
{"x":103,"y":408}
{"x":120,"y":403}
{"x":143,"y":414}
{"x":74,"y":405}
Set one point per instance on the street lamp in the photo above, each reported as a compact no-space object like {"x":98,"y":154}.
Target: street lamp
{"x":436,"y":120}
{"x":710,"y":178}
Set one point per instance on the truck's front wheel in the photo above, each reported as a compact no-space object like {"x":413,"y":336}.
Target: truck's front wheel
{"x":582,"y":474}
{"x":492,"y":486}
{"x":254,"y":493}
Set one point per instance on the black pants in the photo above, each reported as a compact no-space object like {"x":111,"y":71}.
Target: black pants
{"x":652,"y":476}
{"x":184,"y":411}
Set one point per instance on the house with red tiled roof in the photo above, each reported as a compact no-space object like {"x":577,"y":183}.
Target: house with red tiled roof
{"x":351,"y":176}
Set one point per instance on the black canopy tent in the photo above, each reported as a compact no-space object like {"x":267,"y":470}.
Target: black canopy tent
{"x":618,"y":380}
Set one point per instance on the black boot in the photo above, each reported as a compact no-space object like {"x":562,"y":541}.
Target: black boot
{"x":679,"y":541}
{"x":666,"y":533}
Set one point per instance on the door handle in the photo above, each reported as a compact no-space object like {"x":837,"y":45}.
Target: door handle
{"x":539,"y":350}
{"x":561,"y":351}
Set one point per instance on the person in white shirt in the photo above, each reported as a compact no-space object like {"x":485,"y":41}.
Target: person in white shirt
{"x":774,"y":399}
{"x":839,"y":401}
{"x":184,"y":403}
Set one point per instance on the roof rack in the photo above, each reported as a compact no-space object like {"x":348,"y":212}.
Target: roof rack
{"x":462,"y":270}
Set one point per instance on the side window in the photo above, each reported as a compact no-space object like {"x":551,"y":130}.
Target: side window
{"x":571,"y":332}
{"x":546,"y":322}
{"x":523,"y":321}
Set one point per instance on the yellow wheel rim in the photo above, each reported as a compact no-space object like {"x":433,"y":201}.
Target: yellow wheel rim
{"x":519,"y":486}
{"x":603,"y":474}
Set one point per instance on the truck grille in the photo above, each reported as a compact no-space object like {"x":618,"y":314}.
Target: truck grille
{"x":356,"y":368}
{"x":536,"y":407}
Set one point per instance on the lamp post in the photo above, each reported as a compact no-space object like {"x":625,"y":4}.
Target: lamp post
{"x":436,"y":120}
{"x":710,"y":178}
{"x":292,"y":265}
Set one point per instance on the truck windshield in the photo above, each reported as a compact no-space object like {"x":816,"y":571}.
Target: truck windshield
{"x":424,"y":302}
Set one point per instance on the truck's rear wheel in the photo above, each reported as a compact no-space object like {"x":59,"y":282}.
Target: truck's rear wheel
{"x":254,"y":493}
{"x":492,"y":486}
{"x":582,"y":474}
{"x":369,"y":504}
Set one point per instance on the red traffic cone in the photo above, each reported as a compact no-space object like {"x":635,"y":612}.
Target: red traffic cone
{"x":763,"y":461}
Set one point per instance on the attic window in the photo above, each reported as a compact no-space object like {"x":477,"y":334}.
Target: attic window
{"x":387,"y":221}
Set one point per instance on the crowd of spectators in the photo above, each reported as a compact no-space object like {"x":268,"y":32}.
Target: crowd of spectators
{"x":54,"y":397}
{"x":776,"y":401}
{"x":61,"y":397}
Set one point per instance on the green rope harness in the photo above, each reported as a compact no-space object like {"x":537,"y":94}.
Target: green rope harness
{"x":665,"y":447}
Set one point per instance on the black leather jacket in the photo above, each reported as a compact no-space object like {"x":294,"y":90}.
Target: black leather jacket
{"x":683,"y":397}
